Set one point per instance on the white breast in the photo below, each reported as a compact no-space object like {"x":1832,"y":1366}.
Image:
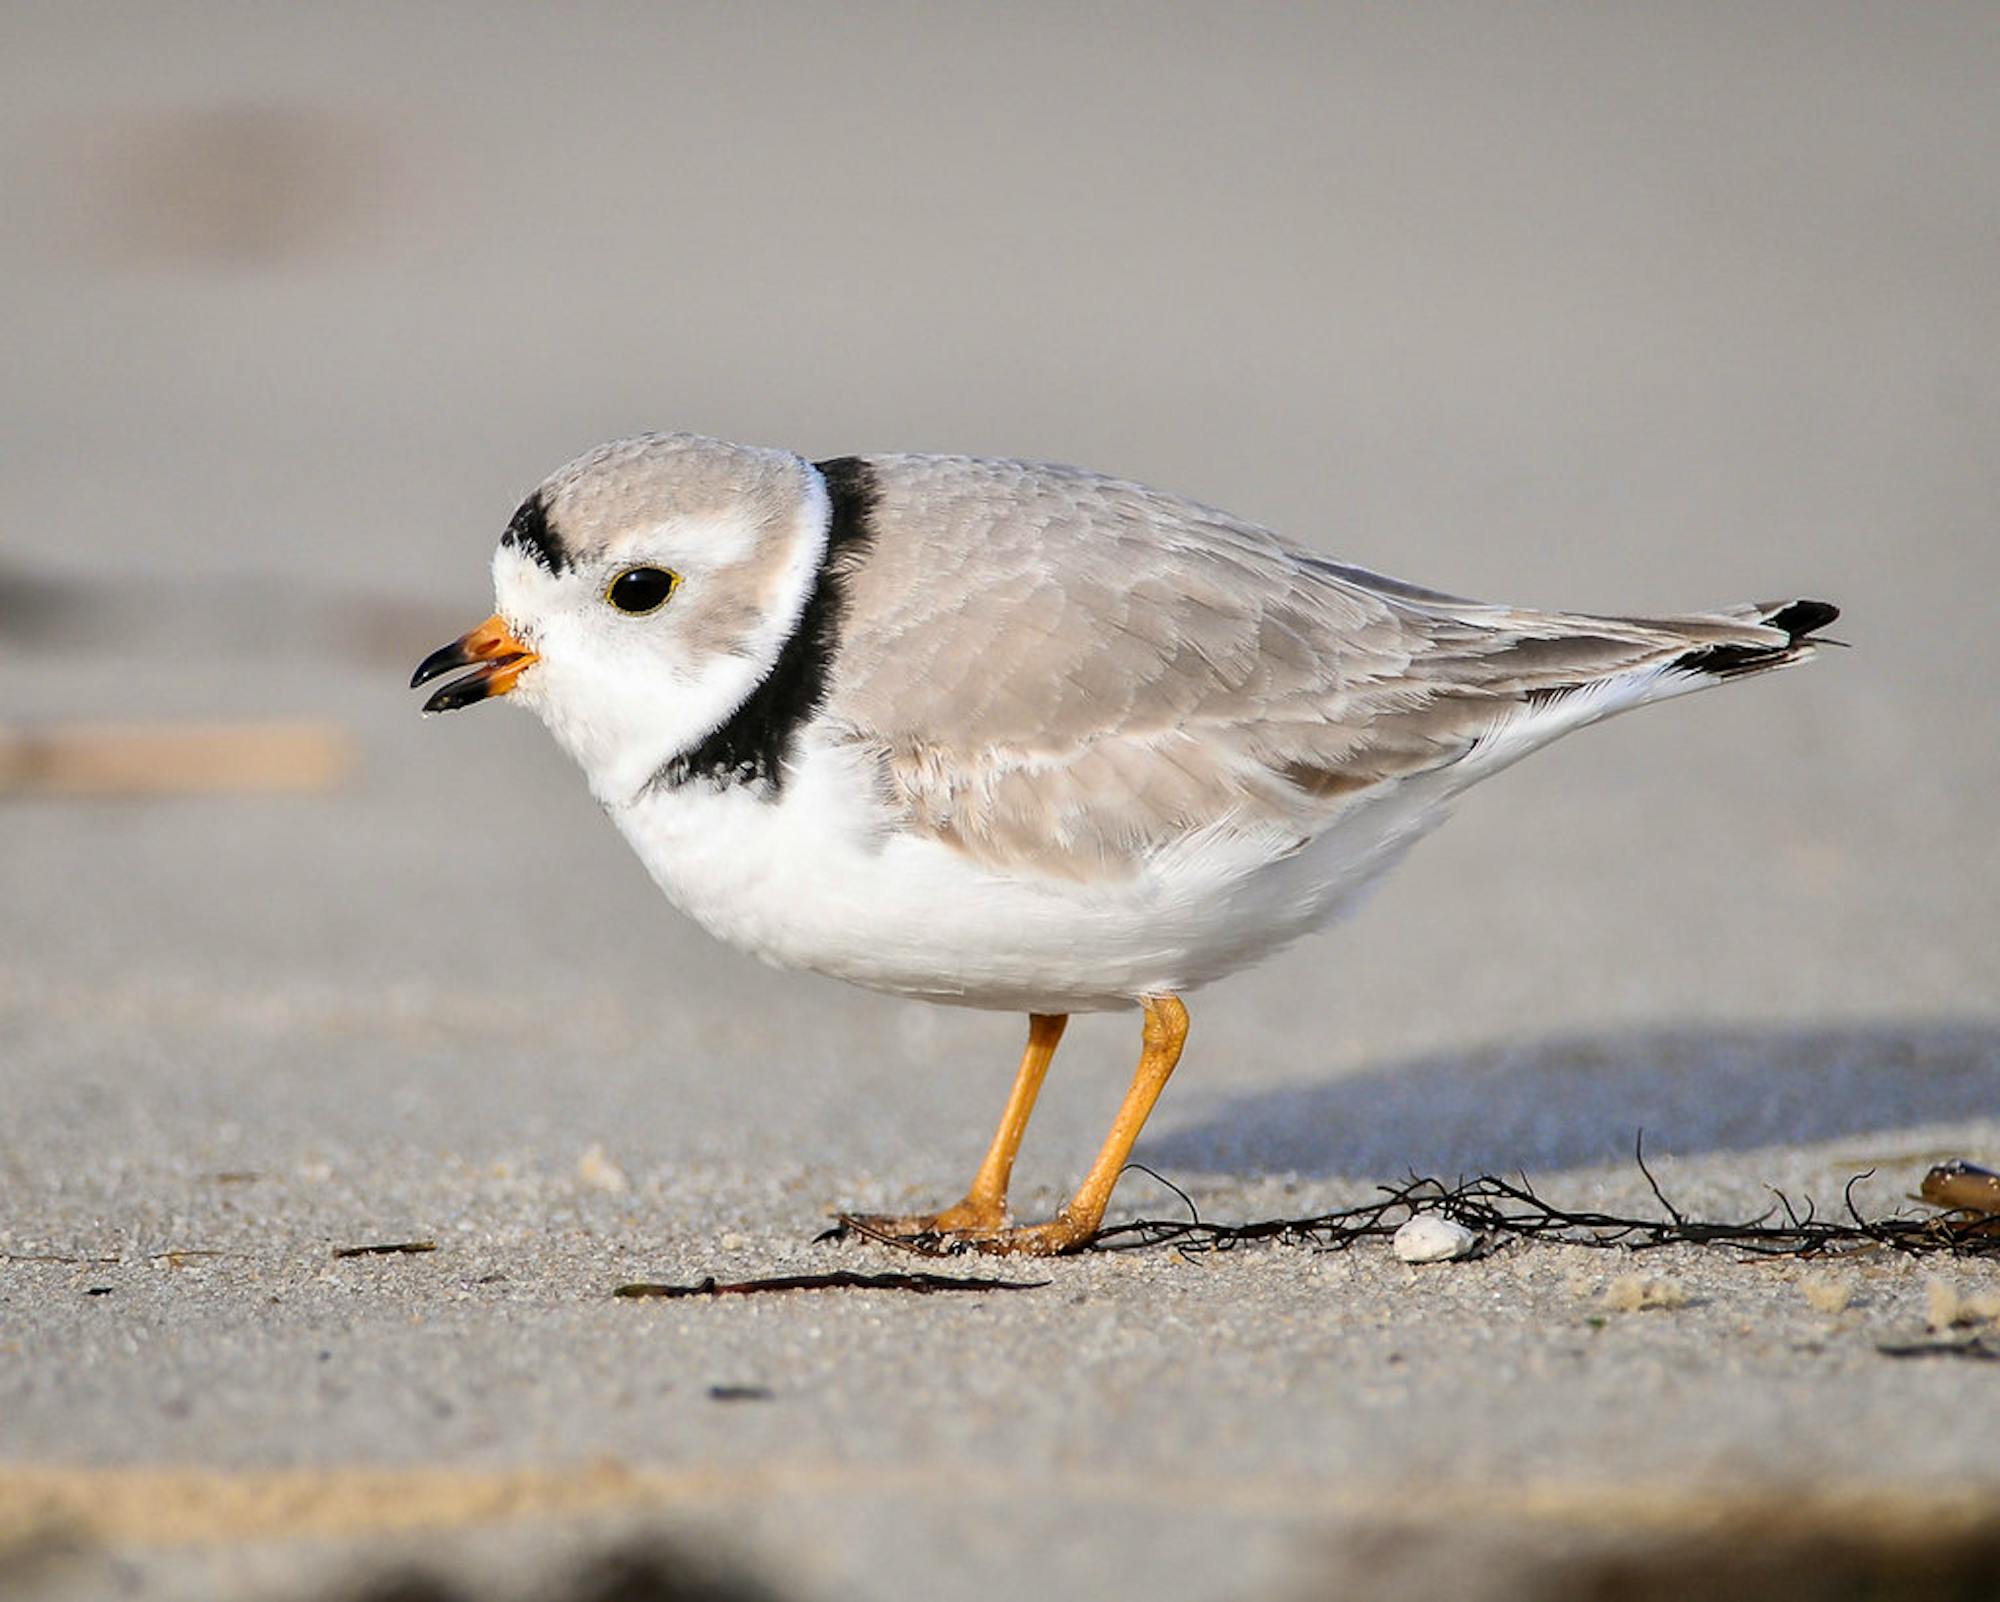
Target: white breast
{"x":821,"y":878}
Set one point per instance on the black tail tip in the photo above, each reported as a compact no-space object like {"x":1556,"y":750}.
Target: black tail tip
{"x":1798,"y":620}
{"x":1801,"y":618}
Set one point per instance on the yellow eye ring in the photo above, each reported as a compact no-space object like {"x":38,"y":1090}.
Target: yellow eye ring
{"x":639,"y":590}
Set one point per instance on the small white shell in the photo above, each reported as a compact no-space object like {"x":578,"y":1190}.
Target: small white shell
{"x":1427,"y":1238}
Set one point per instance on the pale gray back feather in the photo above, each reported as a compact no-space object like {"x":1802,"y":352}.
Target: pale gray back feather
{"x":1062,"y":672}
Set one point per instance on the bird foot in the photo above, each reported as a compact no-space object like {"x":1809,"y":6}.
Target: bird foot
{"x":1060,"y":1235}
{"x":972,"y":1226}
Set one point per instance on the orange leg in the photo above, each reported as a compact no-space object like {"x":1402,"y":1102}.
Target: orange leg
{"x":985,"y":1204}
{"x":981,"y":1219}
{"x":1166,"y":1030}
{"x":984,"y":1209}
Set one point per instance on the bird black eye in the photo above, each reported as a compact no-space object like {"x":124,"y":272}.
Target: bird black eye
{"x":639,"y":590}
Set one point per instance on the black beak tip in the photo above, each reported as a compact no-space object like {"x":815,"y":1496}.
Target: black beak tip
{"x":438,"y":663}
{"x":460,"y":693}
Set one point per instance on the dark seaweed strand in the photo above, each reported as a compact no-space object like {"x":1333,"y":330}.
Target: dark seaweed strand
{"x":529,"y":533}
{"x":754,"y":743}
{"x":1500,"y":1209}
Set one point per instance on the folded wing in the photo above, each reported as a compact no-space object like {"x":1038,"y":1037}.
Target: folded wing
{"x":1097,"y":670}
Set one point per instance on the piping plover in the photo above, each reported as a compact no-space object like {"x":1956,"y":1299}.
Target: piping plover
{"x":1020,"y":736}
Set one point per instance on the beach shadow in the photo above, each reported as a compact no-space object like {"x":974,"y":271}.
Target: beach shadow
{"x":1574,"y":1100}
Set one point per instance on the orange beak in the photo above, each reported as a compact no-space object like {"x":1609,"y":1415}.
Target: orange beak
{"x":491,"y":648}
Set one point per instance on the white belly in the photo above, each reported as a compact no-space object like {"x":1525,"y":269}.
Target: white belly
{"x":821,"y":880}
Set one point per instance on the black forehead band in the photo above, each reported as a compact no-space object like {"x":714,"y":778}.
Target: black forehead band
{"x":530,"y":534}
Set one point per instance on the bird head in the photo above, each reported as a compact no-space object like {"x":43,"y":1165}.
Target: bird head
{"x":641,"y":593}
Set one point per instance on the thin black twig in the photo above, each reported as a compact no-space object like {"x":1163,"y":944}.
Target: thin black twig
{"x":1976,"y":1347}
{"x":1652,"y":1184}
{"x":387,"y":1248}
{"x":917,"y":1284}
{"x":58,"y":1257}
{"x":1194,"y":1212}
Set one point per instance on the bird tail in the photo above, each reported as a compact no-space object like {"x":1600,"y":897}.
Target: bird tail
{"x":1565,"y":671}
{"x":1742,"y":640}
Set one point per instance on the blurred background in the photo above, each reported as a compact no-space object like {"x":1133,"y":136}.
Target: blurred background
{"x":1602,"y":307}
{"x":1614,"y":307}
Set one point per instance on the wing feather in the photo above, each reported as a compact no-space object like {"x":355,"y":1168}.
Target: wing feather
{"x":1062,"y":673}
